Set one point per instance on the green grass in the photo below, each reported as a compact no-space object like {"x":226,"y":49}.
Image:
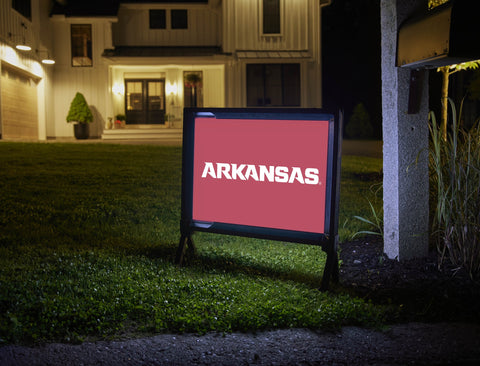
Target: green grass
{"x":88,"y":234}
{"x":360,"y":185}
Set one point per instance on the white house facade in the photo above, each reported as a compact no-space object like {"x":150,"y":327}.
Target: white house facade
{"x":147,"y":60}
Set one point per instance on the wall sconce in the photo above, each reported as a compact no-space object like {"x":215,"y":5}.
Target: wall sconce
{"x":118,"y":89}
{"x":47,"y":60}
{"x":172,"y":89}
{"x":21,"y":44}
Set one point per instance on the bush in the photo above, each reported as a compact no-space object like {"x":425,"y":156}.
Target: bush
{"x":455,"y":182}
{"x":79,"y":110}
{"x":359,"y":125}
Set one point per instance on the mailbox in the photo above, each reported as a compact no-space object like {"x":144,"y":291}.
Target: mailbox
{"x":446,"y":35}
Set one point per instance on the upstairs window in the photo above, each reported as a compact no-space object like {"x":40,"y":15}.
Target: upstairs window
{"x":158,"y":19}
{"x":24,"y":7}
{"x":179,"y":19}
{"x":81,"y":39}
{"x":271,"y":17}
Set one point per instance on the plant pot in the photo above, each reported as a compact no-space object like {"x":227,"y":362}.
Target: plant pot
{"x":81,"y":131}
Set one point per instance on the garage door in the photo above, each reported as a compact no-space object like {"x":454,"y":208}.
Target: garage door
{"x":19,"y":119}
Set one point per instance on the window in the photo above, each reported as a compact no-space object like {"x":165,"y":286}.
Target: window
{"x":81,"y":45}
{"x":179,"y":19}
{"x":273,"y":85}
{"x":158,"y":19}
{"x":134,"y":95}
{"x":271,"y":17}
{"x":24,"y":7}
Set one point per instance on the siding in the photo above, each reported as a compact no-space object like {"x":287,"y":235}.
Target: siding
{"x":242,"y":26}
{"x":92,"y":81}
{"x":213,"y":88}
{"x":37,"y":33}
{"x":133,"y":29}
{"x":300,"y":31}
{"x":11,"y":22}
{"x":93,"y":84}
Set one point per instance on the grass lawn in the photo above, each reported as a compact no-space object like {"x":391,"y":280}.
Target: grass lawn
{"x":88,"y":234}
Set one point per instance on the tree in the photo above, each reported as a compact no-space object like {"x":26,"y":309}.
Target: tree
{"x":359,"y":125}
{"x":446,"y":72}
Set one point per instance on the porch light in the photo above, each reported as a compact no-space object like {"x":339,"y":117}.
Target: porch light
{"x":21,"y":45}
{"x":118,"y":89}
{"x":47,"y":60}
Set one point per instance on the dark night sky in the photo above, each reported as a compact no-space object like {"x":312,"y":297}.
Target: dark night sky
{"x":351,"y":57}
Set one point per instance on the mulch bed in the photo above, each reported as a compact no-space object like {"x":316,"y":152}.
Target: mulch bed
{"x":424,"y":291}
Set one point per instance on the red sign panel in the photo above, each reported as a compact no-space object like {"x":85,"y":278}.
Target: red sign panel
{"x":263,"y":173}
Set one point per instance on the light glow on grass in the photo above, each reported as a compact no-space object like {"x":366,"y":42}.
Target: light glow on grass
{"x":89,"y":234}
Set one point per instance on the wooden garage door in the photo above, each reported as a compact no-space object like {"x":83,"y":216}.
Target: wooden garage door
{"x":19,"y":105}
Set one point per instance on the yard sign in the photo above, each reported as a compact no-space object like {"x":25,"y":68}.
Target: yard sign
{"x":264,"y":173}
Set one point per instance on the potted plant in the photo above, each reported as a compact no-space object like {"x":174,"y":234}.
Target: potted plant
{"x":120,"y":120}
{"x":81,"y":115}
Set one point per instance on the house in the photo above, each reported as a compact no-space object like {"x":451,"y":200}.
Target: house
{"x":147,"y":60}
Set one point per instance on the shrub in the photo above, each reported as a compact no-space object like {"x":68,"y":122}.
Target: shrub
{"x":79,"y":110}
{"x":359,"y":125}
{"x":455,"y":180}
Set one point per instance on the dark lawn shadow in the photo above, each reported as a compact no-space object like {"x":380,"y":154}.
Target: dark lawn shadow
{"x":246,"y":266}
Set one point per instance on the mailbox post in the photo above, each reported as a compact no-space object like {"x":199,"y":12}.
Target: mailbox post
{"x":445,"y":36}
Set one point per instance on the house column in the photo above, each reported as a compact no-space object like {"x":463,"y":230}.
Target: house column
{"x":174,"y":96}
{"x":405,"y":144}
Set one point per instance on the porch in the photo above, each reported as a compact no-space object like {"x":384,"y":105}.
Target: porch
{"x":144,"y":133}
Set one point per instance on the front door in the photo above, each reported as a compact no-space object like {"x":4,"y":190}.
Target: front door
{"x":145,"y":101}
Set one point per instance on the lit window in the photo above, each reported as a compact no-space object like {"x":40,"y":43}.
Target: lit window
{"x":81,"y":45}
